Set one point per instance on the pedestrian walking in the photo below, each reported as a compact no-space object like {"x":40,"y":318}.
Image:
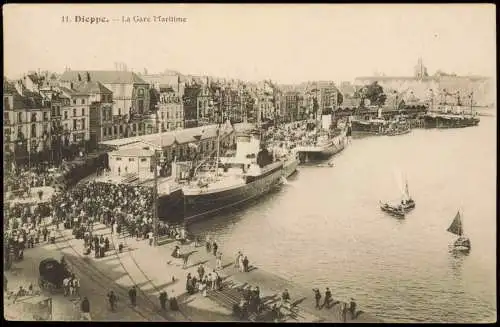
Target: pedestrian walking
{"x":132,"y":294}
{"x":163,"y":300}
{"x":317,"y":298}
{"x":112,"y":299}
{"x":85,"y":308}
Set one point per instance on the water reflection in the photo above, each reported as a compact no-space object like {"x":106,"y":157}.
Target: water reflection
{"x":456,"y":261}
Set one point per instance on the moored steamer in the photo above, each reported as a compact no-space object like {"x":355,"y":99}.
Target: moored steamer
{"x":234,"y":181}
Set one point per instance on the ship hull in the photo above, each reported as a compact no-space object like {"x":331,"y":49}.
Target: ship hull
{"x":200,"y":206}
{"x":449,"y":122}
{"x":171,"y":206}
{"x":290,"y":167}
{"x":361,"y":129}
{"x":321,"y":153}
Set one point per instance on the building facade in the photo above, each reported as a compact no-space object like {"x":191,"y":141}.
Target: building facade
{"x":170,"y":111}
{"x":26,"y":123}
{"x":421,"y":84}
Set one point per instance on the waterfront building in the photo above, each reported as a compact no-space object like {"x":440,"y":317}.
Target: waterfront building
{"x":134,"y":155}
{"x":26,"y":122}
{"x":130,"y":92}
{"x":170,"y":107}
{"x":421,"y":84}
{"x":75,"y":112}
{"x":190,"y":104}
{"x":290,"y":108}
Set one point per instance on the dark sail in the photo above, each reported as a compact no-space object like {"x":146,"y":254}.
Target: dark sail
{"x":456,"y":226}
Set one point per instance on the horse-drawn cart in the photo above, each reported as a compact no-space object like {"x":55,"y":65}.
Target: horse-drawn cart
{"x":52,"y":274}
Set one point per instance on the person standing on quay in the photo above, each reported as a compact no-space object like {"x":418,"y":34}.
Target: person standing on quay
{"x":132,"y":293}
{"x":237,"y":261}
{"x":201,"y":271}
{"x":245,"y":264}
{"x":344,"y":312}
{"x":317,"y":297}
{"x":85,"y":308}
{"x":112,"y":300}
{"x":208,"y":244}
{"x":328,"y":298}
{"x":214,"y":248}
{"x":218,"y":261}
{"x":163,"y":300}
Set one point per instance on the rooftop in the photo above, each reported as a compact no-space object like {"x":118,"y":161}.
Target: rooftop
{"x":103,"y":76}
{"x":92,"y":87}
{"x":169,"y":138}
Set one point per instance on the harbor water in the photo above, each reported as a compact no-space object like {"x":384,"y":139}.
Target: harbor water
{"x":324,"y":227}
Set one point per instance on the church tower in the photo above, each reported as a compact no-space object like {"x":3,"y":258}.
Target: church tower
{"x":420,"y":70}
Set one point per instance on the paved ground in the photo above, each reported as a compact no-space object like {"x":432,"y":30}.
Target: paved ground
{"x":152,"y":270}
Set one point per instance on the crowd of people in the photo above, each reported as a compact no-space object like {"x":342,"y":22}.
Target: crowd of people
{"x":122,"y":207}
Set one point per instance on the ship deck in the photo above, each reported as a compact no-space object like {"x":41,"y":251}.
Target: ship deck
{"x":225,"y":182}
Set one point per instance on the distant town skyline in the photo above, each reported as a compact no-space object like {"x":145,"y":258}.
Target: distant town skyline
{"x":288,"y":44}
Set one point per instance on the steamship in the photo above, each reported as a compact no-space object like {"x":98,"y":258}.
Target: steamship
{"x":231,"y":180}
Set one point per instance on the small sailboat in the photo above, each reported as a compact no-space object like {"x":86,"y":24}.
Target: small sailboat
{"x":407,"y":202}
{"x":462,"y":243}
{"x":397,"y":211}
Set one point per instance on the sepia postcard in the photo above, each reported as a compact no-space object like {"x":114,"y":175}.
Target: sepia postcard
{"x":329,"y":163}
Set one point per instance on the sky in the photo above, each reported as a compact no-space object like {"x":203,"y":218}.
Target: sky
{"x":286,"y":43}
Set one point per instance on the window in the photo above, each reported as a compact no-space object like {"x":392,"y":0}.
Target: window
{"x":6,"y":116}
{"x":83,"y":123}
{"x":33,"y":117}
{"x":118,"y":159}
{"x":59,"y":111}
{"x":83,"y":111}
{"x":74,"y":112}
{"x":74,"y":101}
{"x":144,"y":159}
{"x":65,"y":114}
{"x":74,"y":138}
{"x":140,"y":127}
{"x":131,"y":159}
{"x":141,"y":105}
{"x":83,"y":101}
{"x":109,"y":131}
{"x":65,"y":126}
{"x":134,"y":127}
{"x":104,"y":131}
{"x":115,"y":131}
{"x":140,"y":92}
{"x":6,"y":103}
{"x":45,"y":128}
{"x":121,"y":129}
{"x":74,"y":123}
{"x":45,"y":116}
{"x":33,"y":130}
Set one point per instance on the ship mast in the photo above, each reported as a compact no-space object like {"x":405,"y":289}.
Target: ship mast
{"x":471,"y":99}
